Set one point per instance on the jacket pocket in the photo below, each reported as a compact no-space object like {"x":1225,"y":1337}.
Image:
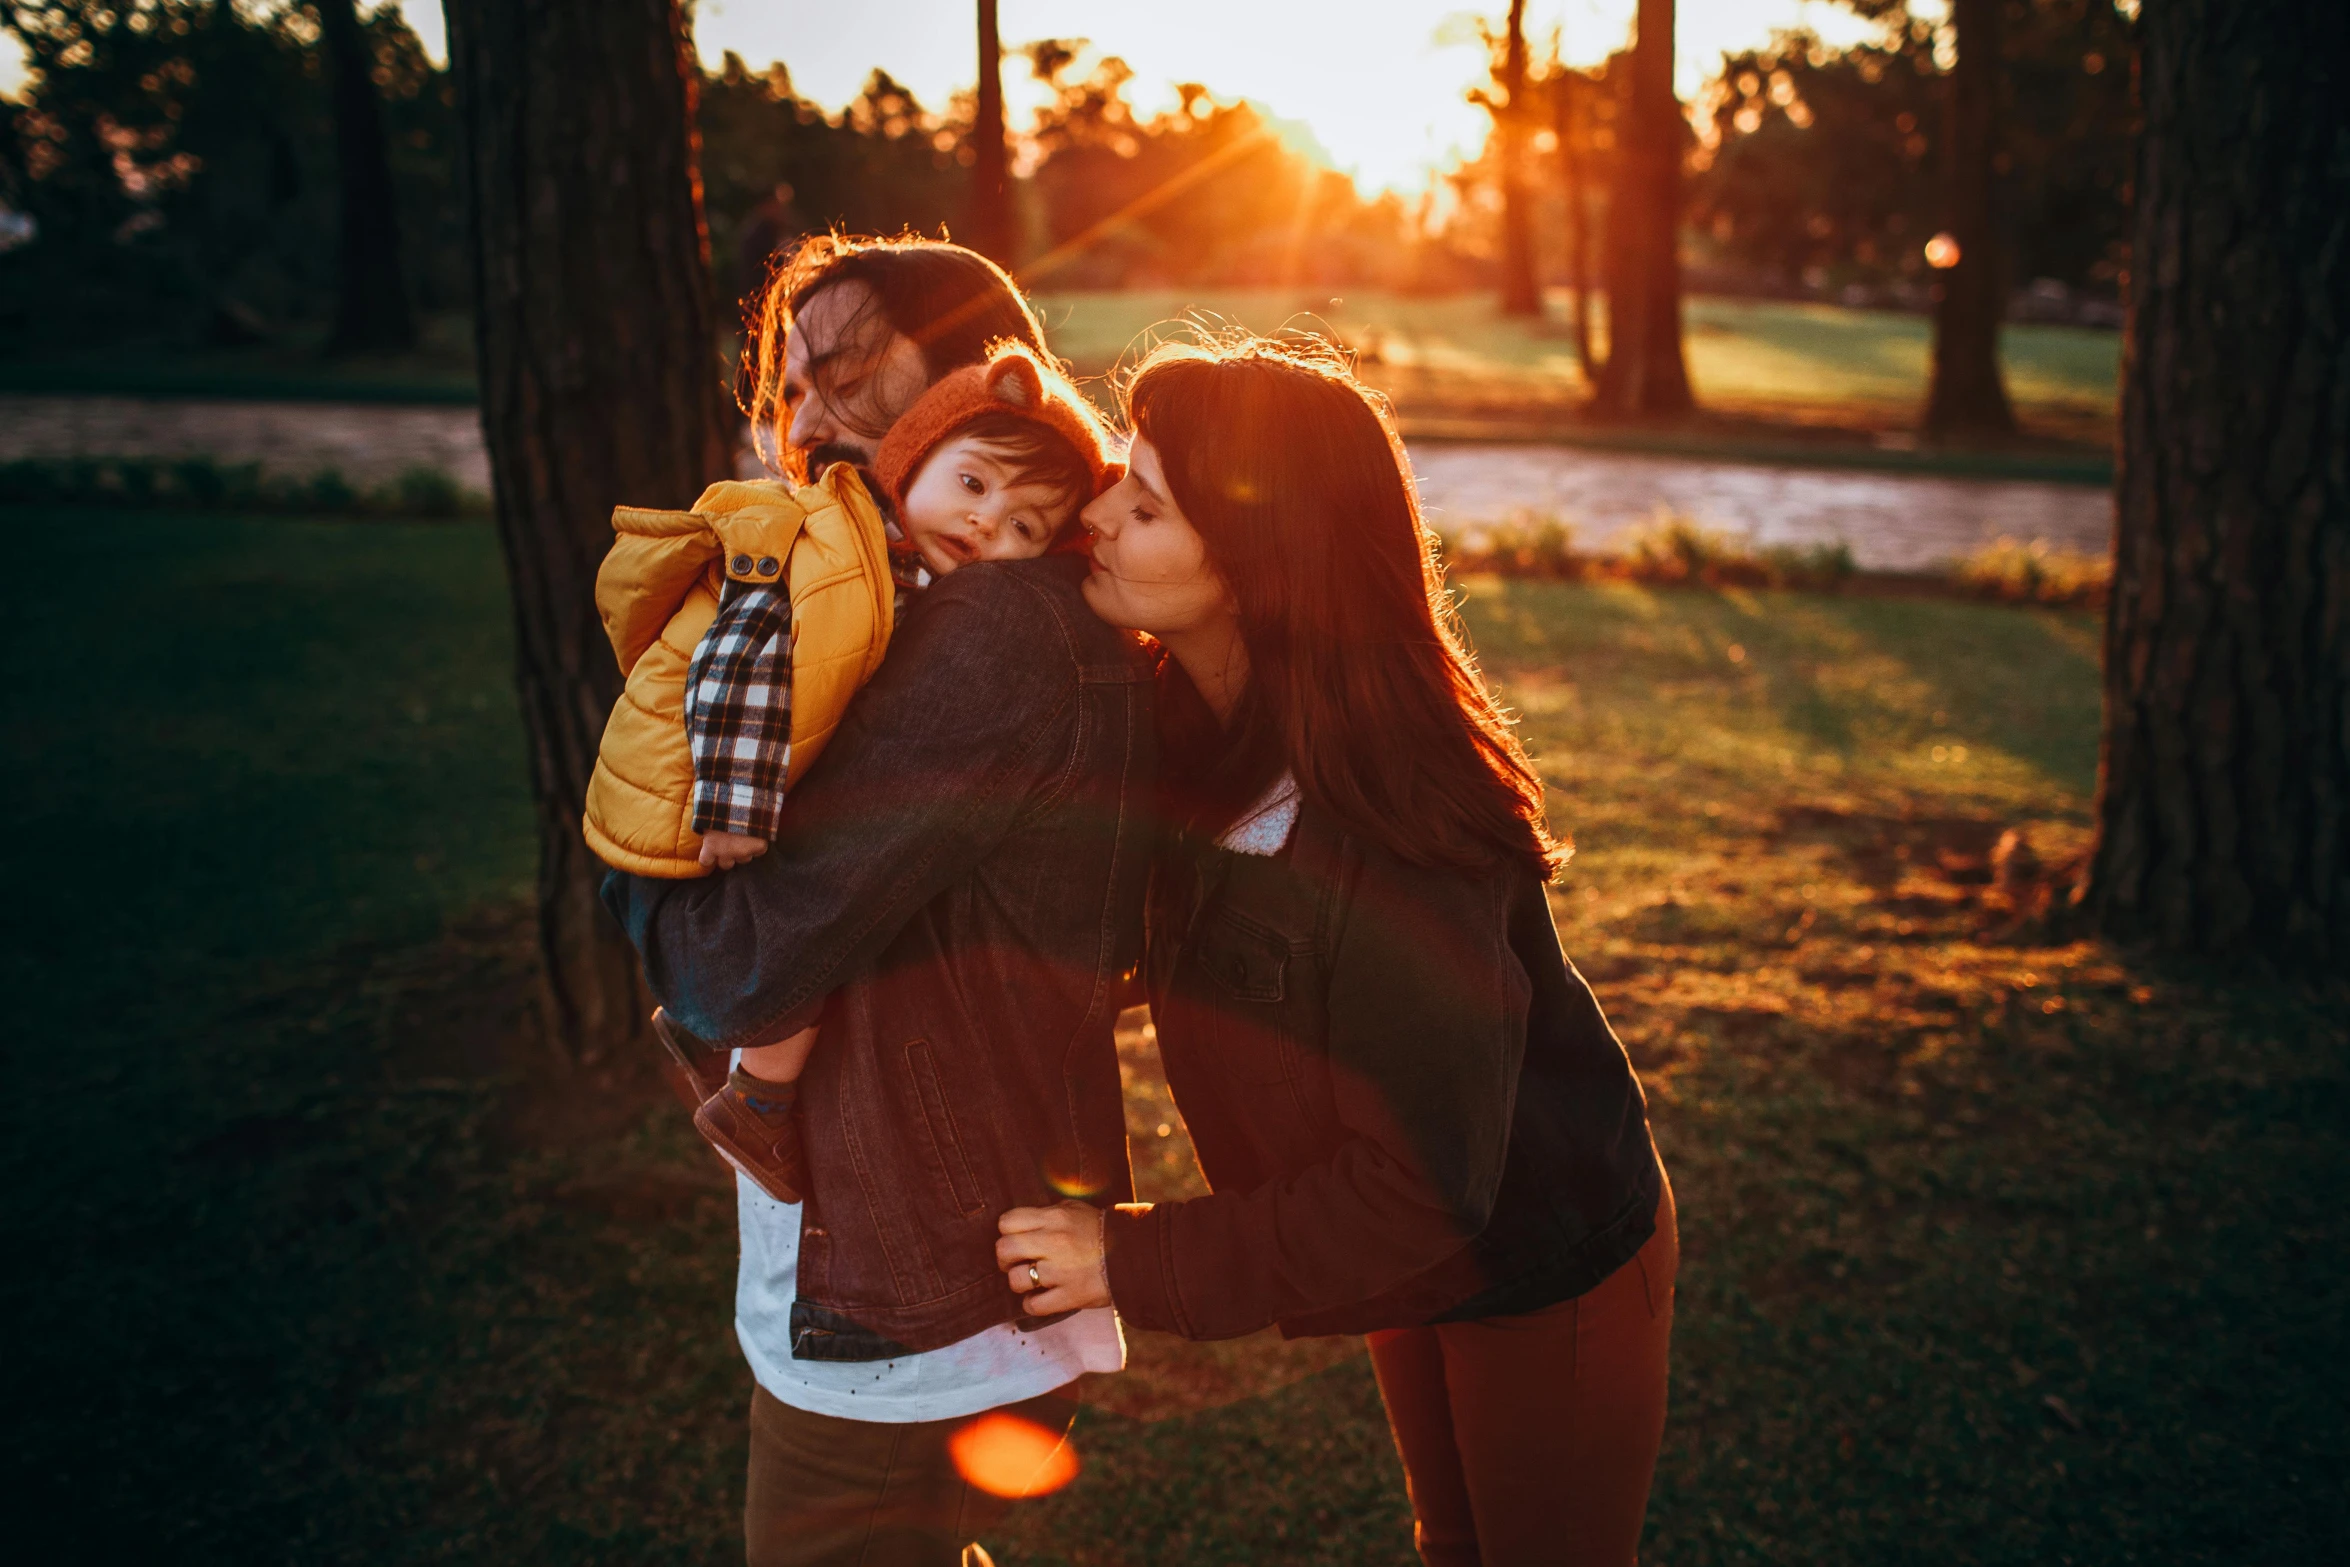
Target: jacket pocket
{"x":939,"y":1121}
{"x":1244,"y":960}
{"x":1246,"y":967}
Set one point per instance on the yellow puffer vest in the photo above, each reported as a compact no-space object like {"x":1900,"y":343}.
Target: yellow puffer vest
{"x":658,"y":592}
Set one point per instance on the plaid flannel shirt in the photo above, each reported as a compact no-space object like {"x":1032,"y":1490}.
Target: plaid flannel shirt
{"x":738,"y":703}
{"x":738,"y":713}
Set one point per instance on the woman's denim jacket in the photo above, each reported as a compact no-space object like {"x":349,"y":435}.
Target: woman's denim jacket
{"x":1407,"y":1101}
{"x":956,"y":894}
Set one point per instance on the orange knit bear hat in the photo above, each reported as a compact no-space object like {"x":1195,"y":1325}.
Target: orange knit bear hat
{"x":1013,"y":381}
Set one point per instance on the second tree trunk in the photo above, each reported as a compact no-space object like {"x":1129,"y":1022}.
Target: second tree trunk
{"x":1645,"y":372}
{"x":1967,"y":396}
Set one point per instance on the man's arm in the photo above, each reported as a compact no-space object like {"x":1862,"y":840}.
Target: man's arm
{"x":934,"y":763}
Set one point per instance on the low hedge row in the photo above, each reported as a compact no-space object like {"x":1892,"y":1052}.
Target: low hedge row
{"x":203,"y":484}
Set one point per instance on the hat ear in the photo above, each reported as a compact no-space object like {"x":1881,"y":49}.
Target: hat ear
{"x":1013,"y":379}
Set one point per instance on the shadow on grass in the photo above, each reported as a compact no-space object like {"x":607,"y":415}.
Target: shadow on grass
{"x":2000,"y":1247}
{"x":1867,"y":685}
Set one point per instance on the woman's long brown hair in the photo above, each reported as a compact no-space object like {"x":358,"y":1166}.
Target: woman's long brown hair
{"x":1360,"y":679}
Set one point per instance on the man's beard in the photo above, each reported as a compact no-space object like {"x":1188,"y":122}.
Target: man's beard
{"x":823,"y":455}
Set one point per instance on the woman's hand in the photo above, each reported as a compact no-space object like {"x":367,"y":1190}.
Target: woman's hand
{"x":1054,"y":1258}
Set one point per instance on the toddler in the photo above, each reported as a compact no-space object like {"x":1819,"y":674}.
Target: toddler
{"x":772,"y":606}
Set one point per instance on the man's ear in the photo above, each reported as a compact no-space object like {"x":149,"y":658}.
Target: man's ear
{"x":1013,"y":379}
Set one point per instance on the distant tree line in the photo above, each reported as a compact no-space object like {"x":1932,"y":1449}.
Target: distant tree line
{"x":185,"y":164}
{"x":1820,"y":170}
{"x":202,"y":171}
{"x":1205,"y":192}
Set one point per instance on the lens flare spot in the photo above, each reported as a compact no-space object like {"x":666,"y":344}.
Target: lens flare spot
{"x":1072,"y":1184}
{"x":1942,"y":252}
{"x":1004,"y":1455}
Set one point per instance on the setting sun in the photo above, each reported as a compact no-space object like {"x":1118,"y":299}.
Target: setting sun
{"x":1377,"y":89}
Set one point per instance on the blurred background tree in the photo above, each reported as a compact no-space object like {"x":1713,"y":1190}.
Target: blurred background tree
{"x":183,"y":164}
{"x":1510,"y":103}
{"x":1966,"y":395}
{"x":188,"y":179}
{"x":1818,"y":170}
{"x":371,"y":297}
{"x":1646,"y":373}
{"x":991,"y":169}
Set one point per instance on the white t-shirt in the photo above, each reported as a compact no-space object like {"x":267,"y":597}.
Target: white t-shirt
{"x":998,"y":1366}
{"x":1264,"y":828}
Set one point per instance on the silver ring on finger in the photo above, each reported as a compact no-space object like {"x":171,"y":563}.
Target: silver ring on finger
{"x":1034,"y":1282}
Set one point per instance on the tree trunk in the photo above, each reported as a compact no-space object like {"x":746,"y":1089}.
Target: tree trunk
{"x":1521,"y":295}
{"x":1562,"y":110}
{"x":600,"y":384}
{"x":991,"y":187}
{"x":1645,"y":373}
{"x":2224,"y":779}
{"x":1967,"y":396}
{"x":371,"y":304}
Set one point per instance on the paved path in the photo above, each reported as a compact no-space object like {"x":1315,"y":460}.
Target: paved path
{"x":1892,"y":521}
{"x":367,"y":442}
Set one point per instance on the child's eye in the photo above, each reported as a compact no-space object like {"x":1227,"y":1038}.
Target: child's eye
{"x":971,"y":483}
{"x":1021,"y":527}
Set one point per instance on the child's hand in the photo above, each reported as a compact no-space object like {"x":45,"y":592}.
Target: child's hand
{"x":726,"y":850}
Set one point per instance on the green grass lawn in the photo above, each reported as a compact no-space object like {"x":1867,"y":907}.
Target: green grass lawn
{"x":2000,"y":1246}
{"x":1766,"y":361}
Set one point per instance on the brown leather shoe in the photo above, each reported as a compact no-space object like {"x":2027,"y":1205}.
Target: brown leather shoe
{"x":692,"y":1069}
{"x":757,"y":1134}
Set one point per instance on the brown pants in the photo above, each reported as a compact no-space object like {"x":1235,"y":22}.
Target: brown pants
{"x":1533,"y":1439}
{"x":827,"y":1492}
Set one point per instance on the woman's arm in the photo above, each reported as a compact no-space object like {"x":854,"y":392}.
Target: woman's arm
{"x":933,"y":764}
{"x":1427,"y":1019}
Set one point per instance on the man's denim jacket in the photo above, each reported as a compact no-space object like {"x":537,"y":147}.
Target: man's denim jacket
{"x":956,"y":894}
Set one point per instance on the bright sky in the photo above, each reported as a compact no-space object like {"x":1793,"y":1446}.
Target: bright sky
{"x":1379,"y":82}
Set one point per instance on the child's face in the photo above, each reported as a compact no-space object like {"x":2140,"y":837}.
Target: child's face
{"x":964,"y":506}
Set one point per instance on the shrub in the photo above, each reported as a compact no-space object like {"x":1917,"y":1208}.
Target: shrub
{"x":2034,"y":573}
{"x":29,"y":482}
{"x":1672,"y":548}
{"x":327,"y":490}
{"x":1820,"y":567}
{"x":204,"y":484}
{"x":424,"y":492}
{"x":1523,"y":544}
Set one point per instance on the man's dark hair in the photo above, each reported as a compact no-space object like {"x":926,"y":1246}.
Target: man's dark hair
{"x":954,"y":304}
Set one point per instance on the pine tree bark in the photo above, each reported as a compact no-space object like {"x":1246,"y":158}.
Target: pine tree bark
{"x":1521,"y":295}
{"x":1646,"y":373}
{"x":1966,"y":396}
{"x":600,"y":384}
{"x":2225,"y":770}
{"x":371,"y":300}
{"x":991,"y":183}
